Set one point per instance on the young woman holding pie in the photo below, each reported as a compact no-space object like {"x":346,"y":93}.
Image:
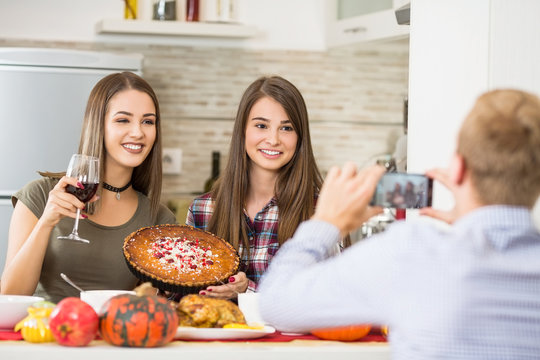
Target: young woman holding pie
{"x":268,"y":186}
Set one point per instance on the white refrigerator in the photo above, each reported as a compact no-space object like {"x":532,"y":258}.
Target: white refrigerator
{"x":43,"y":94}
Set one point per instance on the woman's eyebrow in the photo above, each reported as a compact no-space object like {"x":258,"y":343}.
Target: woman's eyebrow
{"x":260,"y":118}
{"x":124,"y":113}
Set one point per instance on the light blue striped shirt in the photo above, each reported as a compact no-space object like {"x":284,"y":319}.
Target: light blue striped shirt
{"x":472,"y":292}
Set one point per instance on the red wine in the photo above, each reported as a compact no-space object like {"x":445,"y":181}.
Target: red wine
{"x":83,"y":194}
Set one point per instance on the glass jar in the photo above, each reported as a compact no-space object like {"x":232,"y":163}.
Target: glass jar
{"x":164,"y":10}
{"x":192,"y":10}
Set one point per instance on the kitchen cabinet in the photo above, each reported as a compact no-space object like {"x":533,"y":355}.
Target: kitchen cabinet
{"x":354,"y":21}
{"x":489,"y":44}
{"x":175,"y":28}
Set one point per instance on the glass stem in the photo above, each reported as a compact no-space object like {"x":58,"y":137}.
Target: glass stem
{"x":76,"y":226}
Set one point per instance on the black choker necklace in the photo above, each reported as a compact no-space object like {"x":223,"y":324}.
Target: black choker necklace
{"x":115,"y":189}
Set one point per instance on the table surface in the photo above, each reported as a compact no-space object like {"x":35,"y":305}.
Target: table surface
{"x":201,"y":350}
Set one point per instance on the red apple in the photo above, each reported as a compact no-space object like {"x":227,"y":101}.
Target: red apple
{"x":73,"y":322}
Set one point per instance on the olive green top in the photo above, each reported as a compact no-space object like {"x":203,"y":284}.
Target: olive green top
{"x":98,"y":265}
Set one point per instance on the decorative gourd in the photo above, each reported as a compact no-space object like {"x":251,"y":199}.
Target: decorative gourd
{"x":343,"y":333}
{"x":138,"y":321}
{"x":35,"y":327}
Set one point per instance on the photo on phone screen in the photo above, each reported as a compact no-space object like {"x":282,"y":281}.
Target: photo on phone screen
{"x":403,"y":191}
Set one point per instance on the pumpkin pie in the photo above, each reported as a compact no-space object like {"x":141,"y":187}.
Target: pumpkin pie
{"x":179,"y":258}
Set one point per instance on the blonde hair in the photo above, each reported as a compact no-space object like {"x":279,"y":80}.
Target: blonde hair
{"x":500,"y":142}
{"x":298,"y":181}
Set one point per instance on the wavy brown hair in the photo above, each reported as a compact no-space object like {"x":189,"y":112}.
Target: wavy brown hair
{"x":500,"y":142}
{"x":147,"y":177}
{"x":298,"y":182}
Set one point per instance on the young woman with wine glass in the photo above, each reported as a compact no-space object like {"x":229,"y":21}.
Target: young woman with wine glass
{"x":122,"y":129}
{"x":268,"y":186}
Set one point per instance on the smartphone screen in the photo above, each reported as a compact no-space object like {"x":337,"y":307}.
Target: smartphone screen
{"x":403,"y":190}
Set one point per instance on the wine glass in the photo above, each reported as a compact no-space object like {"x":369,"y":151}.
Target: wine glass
{"x":86,"y":170}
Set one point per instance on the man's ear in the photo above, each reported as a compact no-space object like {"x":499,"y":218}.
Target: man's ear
{"x":458,"y":168}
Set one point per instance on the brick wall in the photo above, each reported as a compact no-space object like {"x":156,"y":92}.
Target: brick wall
{"x":354,"y":96}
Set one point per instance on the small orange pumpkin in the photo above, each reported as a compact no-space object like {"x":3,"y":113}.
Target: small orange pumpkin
{"x":343,"y":333}
{"x":140,"y":321}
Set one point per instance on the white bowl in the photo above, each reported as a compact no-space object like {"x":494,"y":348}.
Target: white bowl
{"x":96,"y":298}
{"x":13,"y":308}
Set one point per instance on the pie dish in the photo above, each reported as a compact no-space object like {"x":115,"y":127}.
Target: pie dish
{"x":179,"y":258}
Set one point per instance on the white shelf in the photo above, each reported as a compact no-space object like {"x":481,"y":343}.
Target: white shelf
{"x":175,"y":28}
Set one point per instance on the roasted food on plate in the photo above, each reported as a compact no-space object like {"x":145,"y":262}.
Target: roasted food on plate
{"x":205,"y":312}
{"x":179,"y":258}
{"x":145,"y":288}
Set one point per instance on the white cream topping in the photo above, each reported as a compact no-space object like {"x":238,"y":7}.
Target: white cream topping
{"x":182,"y":254}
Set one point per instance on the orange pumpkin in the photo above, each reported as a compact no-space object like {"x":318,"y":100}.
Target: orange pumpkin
{"x":343,"y":333}
{"x":139,"y":321}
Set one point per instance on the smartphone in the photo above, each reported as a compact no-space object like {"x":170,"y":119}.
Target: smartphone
{"x":403,"y":191}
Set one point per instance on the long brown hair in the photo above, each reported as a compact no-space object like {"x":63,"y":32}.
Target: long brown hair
{"x":146,"y":177}
{"x":298,"y":181}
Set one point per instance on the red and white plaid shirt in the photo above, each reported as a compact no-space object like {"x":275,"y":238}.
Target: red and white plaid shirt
{"x":262,"y":232}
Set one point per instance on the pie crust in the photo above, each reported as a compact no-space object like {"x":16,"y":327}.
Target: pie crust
{"x":179,"y":258}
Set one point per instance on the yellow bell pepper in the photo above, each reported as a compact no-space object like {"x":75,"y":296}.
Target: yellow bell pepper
{"x":35,"y":327}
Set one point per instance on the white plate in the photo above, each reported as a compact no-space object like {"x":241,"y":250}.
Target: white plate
{"x":192,"y":333}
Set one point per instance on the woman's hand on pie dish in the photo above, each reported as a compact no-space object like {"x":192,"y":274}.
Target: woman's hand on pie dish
{"x":236,"y":284}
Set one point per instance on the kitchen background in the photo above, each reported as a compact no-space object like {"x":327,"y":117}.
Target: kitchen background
{"x":354,"y":93}
{"x":354,"y":87}
{"x":354,"y":96}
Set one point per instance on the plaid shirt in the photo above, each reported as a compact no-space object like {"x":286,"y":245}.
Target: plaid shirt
{"x":262,"y":234}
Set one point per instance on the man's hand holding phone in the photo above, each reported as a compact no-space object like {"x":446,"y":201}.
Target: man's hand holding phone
{"x":345,"y":196}
{"x":442,"y":176}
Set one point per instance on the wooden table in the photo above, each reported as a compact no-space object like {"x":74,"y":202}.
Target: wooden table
{"x":200,"y":350}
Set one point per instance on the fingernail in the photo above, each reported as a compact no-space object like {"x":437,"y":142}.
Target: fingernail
{"x":209,"y":289}
{"x":80,"y":185}
{"x":231,"y":279}
{"x":203,"y":292}
{"x":84,"y":216}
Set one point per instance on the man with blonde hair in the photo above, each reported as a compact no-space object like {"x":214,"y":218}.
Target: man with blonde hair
{"x":472,"y":292}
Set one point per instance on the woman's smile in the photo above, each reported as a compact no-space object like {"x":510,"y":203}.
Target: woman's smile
{"x":271,"y":154}
{"x":133,"y":148}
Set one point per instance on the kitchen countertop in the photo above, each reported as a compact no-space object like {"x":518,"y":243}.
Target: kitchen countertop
{"x":201,"y":350}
